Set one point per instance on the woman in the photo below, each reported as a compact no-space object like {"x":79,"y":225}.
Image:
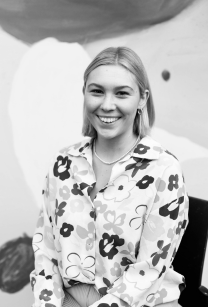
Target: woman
{"x":115,"y":206}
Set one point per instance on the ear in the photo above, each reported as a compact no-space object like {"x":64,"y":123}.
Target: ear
{"x":143,"y":100}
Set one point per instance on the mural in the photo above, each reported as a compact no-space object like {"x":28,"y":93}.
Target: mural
{"x":41,"y":99}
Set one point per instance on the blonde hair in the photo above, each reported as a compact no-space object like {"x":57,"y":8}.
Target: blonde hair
{"x":128,"y":59}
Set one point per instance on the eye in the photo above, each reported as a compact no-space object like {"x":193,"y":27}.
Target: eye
{"x":122,"y":94}
{"x":96,"y":91}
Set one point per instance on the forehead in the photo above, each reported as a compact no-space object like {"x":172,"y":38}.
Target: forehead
{"x":112,"y":74}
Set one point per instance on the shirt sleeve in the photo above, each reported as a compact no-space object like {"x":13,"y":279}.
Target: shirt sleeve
{"x":151,"y":280}
{"x":45,"y":279}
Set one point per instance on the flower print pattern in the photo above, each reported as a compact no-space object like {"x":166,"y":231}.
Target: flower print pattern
{"x":76,"y":190}
{"x":173,"y":182}
{"x":132,"y":229}
{"x":76,"y":205}
{"x":171,"y":209}
{"x":153,"y":228}
{"x":57,"y":290}
{"x":114,"y":222}
{"x":140,"y":164}
{"x":40,"y":221}
{"x":99,"y":265}
{"x":136,"y":222}
{"x":141,"y":149}
{"x":162,"y":253}
{"x":99,"y":206}
{"x":163,"y":271}
{"x":61,"y":168}
{"x":160,"y":185}
{"x":32,"y":282}
{"x":66,"y":230}
{"x":76,"y":173}
{"x":88,"y":234}
{"x":103,"y":290}
{"x":59,"y":211}
{"x":116,"y":270}
{"x":79,"y":267}
{"x":45,"y":295}
{"x":120,"y":189}
{"x":157,"y":298}
{"x":145,"y":182}
{"x":126,"y":261}
{"x":64,"y":192}
{"x":120,"y":288}
{"x":142,"y":278}
{"x":108,"y":245}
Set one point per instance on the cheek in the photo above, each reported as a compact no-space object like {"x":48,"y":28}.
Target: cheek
{"x":90,"y":104}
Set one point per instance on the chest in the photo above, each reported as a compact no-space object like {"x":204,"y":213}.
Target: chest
{"x":102,"y":174}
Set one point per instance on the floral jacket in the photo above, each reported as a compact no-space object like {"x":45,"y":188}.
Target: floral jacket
{"x":124,"y":241}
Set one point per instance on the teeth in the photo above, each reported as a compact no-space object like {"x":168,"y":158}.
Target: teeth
{"x":108,"y":120}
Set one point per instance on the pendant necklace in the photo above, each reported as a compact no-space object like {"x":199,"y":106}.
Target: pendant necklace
{"x":109,"y":163}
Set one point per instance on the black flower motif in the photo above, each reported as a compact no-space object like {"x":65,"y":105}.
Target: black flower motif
{"x":162,"y":253}
{"x":163,"y":271}
{"x":141,"y":149}
{"x":82,"y":148}
{"x":45,"y":295}
{"x":61,"y":168}
{"x":145,"y":182}
{"x":139,"y":165}
{"x":109,"y":249}
{"x":76,"y":190}
{"x":54,"y":261}
{"x":33,"y":282}
{"x":126,"y":261}
{"x":175,"y":204}
{"x":66,"y":230}
{"x":173,"y":182}
{"x":59,"y":210}
{"x":103,"y":290}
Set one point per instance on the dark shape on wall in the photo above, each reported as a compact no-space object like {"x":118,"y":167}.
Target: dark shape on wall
{"x":83,"y":20}
{"x":16,"y":263}
{"x":166,"y":75}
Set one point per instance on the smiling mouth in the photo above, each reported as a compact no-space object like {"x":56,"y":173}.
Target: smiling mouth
{"x":108,"y":120}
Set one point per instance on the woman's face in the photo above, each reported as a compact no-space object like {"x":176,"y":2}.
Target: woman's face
{"x":111,"y":101}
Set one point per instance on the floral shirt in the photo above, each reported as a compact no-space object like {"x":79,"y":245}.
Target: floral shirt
{"x":124,"y":241}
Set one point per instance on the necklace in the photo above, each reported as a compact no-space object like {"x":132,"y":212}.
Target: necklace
{"x":109,"y":163}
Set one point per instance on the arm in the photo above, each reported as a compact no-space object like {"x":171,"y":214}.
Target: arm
{"x":45,"y":279}
{"x":151,"y":280}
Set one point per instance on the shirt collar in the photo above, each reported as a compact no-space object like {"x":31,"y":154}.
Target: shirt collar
{"x":147,"y":148}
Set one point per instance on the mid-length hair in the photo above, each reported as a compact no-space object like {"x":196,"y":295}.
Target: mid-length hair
{"x":128,"y":59}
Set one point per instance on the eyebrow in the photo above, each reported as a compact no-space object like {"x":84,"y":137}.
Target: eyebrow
{"x":117,"y":87}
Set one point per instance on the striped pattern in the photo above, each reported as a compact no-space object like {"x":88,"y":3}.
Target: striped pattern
{"x":81,"y":295}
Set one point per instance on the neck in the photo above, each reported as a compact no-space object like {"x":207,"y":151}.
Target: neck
{"x":110,"y":149}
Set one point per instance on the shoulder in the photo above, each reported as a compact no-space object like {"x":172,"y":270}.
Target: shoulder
{"x":75,"y":149}
{"x":62,"y":159}
{"x":155,"y":151}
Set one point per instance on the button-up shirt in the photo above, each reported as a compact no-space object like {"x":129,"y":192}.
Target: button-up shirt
{"x":124,"y":241}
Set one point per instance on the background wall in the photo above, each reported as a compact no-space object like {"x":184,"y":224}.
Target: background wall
{"x":40,"y":85}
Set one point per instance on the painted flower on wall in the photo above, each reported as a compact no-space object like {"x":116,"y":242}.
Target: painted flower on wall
{"x":17,"y":261}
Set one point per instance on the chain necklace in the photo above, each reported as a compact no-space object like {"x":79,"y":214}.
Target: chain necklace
{"x":109,"y":163}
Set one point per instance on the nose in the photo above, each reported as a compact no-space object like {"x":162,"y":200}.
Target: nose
{"x":108,"y":103}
